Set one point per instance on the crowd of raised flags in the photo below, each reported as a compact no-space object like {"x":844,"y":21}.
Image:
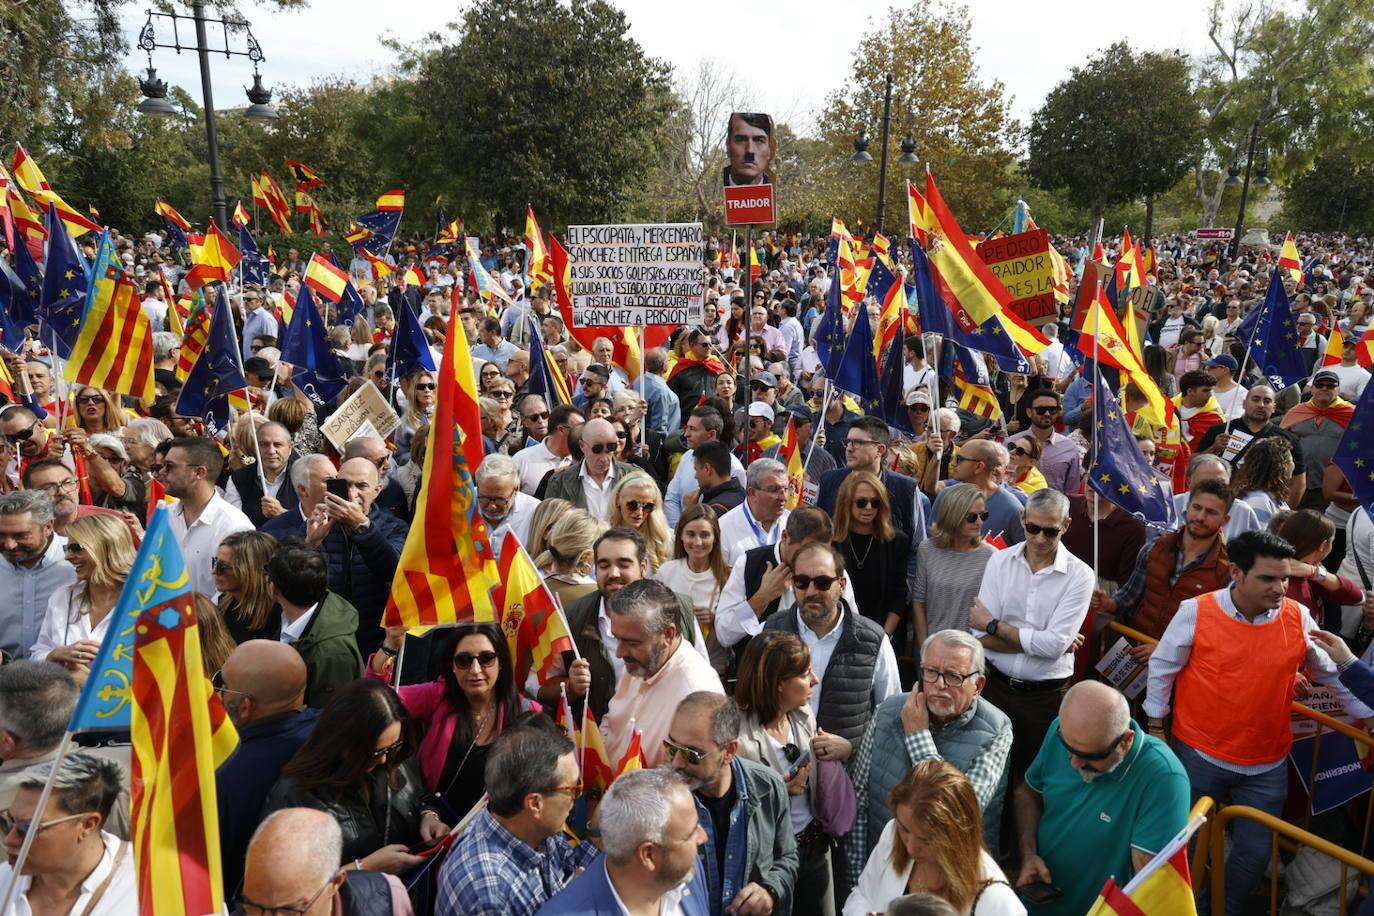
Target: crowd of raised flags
{"x":88,"y":319}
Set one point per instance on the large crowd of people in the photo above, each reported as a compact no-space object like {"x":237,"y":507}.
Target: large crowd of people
{"x":873,"y":692}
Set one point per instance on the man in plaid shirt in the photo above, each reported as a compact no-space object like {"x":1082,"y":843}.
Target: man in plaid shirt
{"x":514,"y":855}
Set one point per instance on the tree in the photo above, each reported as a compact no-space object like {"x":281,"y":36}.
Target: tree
{"x":962,"y":127}
{"x":539,"y":102}
{"x":1300,"y":80}
{"x":1120,"y":128}
{"x":1336,"y":195}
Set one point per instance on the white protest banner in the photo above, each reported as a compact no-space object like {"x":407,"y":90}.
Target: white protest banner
{"x":1121,"y":670}
{"x":637,"y":274}
{"x":365,"y":412}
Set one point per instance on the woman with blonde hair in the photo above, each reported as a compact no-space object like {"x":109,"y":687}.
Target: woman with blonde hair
{"x":244,"y":603}
{"x":541,"y":521}
{"x":360,"y":341}
{"x":875,"y":551}
{"x":96,"y":411}
{"x":950,"y":563}
{"x":101,"y":550}
{"x":698,"y":571}
{"x":934,"y":844}
{"x":243,"y":448}
{"x":637,"y":503}
{"x":420,"y":391}
{"x":298,"y":416}
{"x":567,"y":561}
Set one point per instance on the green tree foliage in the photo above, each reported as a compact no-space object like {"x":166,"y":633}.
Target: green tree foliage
{"x":962,"y":127}
{"x":1336,"y":195}
{"x":1122,"y":127}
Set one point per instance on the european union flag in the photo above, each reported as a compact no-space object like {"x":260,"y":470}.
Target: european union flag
{"x":216,"y":372}
{"x":930,"y":308}
{"x":64,"y":289}
{"x":383,"y":224}
{"x":1354,"y":454}
{"x":541,"y":381}
{"x":1119,"y":471}
{"x":253,"y":266}
{"x":409,"y":351}
{"x":319,"y":372}
{"x":830,"y":330}
{"x":857,"y":372}
{"x":1272,"y":336}
{"x":14,"y":295}
{"x":892,"y":387}
{"x":25,"y":307}
{"x":176,"y":236}
{"x":991,"y":337}
{"x":350,"y":304}
{"x":158,"y":582}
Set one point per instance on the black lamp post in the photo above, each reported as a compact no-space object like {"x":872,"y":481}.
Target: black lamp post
{"x":862,"y":155}
{"x":155,"y":101}
{"x":1233,"y":178}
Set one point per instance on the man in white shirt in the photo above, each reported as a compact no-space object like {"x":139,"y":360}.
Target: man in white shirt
{"x":1028,"y":614}
{"x":758,"y":521}
{"x":201,"y":518}
{"x":503,"y":506}
{"x":704,"y":424}
{"x":1352,"y":376}
{"x":536,"y":461}
{"x":155,"y":305}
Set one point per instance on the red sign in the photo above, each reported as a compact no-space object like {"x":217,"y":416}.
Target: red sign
{"x":750,"y":205}
{"x":1022,"y":262}
{"x":1204,"y":234}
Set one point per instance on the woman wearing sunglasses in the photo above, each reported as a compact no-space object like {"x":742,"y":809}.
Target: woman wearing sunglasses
{"x":637,"y":503}
{"x":238,"y":566}
{"x":358,"y":765}
{"x":463,"y":710}
{"x":949,"y":563}
{"x":774,"y":693}
{"x":101,"y":550}
{"x":1023,"y":472}
{"x":97,"y":411}
{"x":875,"y":551}
{"x":420,"y":388}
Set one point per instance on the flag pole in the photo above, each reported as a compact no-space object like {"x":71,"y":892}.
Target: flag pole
{"x":37,"y":818}
{"x":248,"y":398}
{"x":817,"y":427}
{"x":747,"y":266}
{"x":400,"y":660}
{"x":1097,"y":384}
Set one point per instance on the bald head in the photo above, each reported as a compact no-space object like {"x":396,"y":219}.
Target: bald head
{"x":271,"y":673}
{"x":292,"y":854}
{"x":369,"y":447}
{"x":1093,"y":714}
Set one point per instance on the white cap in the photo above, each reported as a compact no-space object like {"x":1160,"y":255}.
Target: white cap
{"x":760,"y":409}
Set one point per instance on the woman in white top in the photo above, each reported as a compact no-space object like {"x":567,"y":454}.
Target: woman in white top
{"x":934,"y":843}
{"x":698,"y":571}
{"x":101,"y":550}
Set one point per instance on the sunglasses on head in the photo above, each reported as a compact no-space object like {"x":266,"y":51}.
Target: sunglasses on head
{"x":601,"y":448}
{"x":1049,"y":532}
{"x":976,"y":517}
{"x":822,"y":583}
{"x":866,"y":502}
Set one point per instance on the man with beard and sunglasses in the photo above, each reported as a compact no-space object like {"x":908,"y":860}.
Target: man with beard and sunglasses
{"x":1100,"y":800}
{"x":1060,"y":460}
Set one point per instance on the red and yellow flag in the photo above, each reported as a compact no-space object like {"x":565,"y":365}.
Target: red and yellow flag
{"x":970,"y":282}
{"x":633,"y":758}
{"x":392,"y":200}
{"x":1289,"y":259}
{"x":31,"y":179}
{"x":278,"y":208}
{"x":597,"y":774}
{"x":1334,"y":345}
{"x":540,"y":264}
{"x":380,"y":267}
{"x":530,"y":618}
{"x":1163,"y":887}
{"x":1364,"y":348}
{"x":443,"y":575}
{"x":170,"y":214}
{"x":195,"y":333}
{"x":356,"y":234}
{"x":114,"y":346}
{"x":1129,"y":272}
{"x":30,"y":223}
{"x":325,"y":278}
{"x":213,"y":258}
{"x":303,"y":174}
{"x":789,"y":453}
{"x":240,"y":217}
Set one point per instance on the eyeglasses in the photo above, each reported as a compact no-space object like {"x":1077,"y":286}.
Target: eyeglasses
{"x":1100,"y":755}
{"x":503,"y":394}
{"x":426,"y":386}
{"x":257,"y":909}
{"x":61,"y":486}
{"x":217,"y":682}
{"x":671,"y":749}
{"x":635,"y":505}
{"x":89,"y":399}
{"x":601,"y":448}
{"x":573,"y":790}
{"x":1051,"y":532}
{"x":8,"y":823}
{"x":864,"y":502}
{"x":219,"y":567}
{"x":855,"y":443}
{"x":463,"y":660}
{"x":772,"y":491}
{"x":950,"y":678}
{"x":976,"y":517}
{"x":388,"y":750}
{"x":1045,"y":410}
{"x":540,"y":415}
{"x":70,"y":547}
{"x":23,"y":434}
{"x":822,"y":583}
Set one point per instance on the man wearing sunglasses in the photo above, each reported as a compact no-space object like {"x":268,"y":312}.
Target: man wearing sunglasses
{"x":1028,"y":614}
{"x":1099,"y":801}
{"x":588,"y":484}
{"x":980,"y":462}
{"x":24,"y":432}
{"x":1319,"y":424}
{"x":1060,"y":460}
{"x":750,"y":857}
{"x":257,"y":321}
{"x":553,"y":453}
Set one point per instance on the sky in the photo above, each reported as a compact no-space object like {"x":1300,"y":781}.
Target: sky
{"x":1027,"y":44}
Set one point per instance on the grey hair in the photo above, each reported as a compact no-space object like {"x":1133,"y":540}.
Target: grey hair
{"x":1050,"y":502}
{"x":1202,"y":458}
{"x":83,"y":783}
{"x":317,"y":844}
{"x":959,"y":639}
{"x":650,"y":602}
{"x":300,"y":471}
{"x":945,"y":413}
{"x":32,"y":502}
{"x":36,"y":700}
{"x":496,"y":467}
{"x":722,"y":710}
{"x":105,"y":440}
{"x":635,"y":811}
{"x":148,"y":431}
{"x":753,"y":477}
{"x":923,"y":904}
{"x":1003,"y":455}
{"x":164,"y":342}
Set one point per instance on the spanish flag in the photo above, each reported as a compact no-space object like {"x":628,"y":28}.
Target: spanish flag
{"x":443,"y":575}
{"x":30,"y":223}
{"x":789,"y":453}
{"x":380,"y":268}
{"x":539,"y":264}
{"x":303,"y":174}
{"x":1335,"y":344}
{"x":240,"y":217}
{"x":1129,"y":273}
{"x":633,"y":758}
{"x":1289,"y":260}
{"x":356,"y":234}
{"x":597,"y":774}
{"x":1364,"y":349}
{"x":31,"y":179}
{"x":170,"y":214}
{"x":534,"y":626}
{"x":392,"y":200}
{"x":1162,"y":888}
{"x":277,"y":206}
{"x":974,"y":287}
{"x":325,"y":278}
{"x":213,"y":258}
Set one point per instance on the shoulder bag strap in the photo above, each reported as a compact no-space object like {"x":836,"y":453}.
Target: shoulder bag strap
{"x":105,"y":885}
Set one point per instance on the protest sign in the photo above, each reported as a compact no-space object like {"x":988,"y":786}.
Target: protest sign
{"x":1022,"y":262}
{"x":637,"y":274}
{"x":366,"y":412}
{"x":1213,"y":234}
{"x":1121,"y":670}
{"x":749,"y":206}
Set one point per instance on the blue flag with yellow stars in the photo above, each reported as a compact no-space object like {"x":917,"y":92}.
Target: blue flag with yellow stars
{"x":1119,"y":471}
{"x":1272,"y":337}
{"x":1355,"y":453}
{"x":64,"y":289}
{"x":318,"y":370}
{"x":216,"y":372}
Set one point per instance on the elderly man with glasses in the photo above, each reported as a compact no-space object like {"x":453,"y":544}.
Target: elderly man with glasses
{"x":946,"y":718}
{"x":257,"y":321}
{"x":588,"y":483}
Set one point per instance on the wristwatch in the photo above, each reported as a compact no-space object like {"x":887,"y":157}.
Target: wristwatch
{"x":991,"y":628}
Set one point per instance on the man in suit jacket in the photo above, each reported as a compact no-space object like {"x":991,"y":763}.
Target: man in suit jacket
{"x":588,"y":484}
{"x":867,"y":443}
{"x":647,"y":861}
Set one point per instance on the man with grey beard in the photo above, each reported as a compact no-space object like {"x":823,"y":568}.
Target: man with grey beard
{"x":1100,"y":799}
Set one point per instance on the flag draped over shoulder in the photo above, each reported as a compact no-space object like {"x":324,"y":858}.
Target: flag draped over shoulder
{"x":114,"y":346}
{"x":443,"y":574}
{"x":149,"y":678}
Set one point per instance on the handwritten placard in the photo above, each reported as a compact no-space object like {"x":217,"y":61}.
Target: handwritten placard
{"x":637,"y":274}
{"x":366,"y":412}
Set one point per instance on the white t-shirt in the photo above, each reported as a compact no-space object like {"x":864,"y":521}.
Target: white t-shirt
{"x":1169,"y":331}
{"x":1353,"y":379}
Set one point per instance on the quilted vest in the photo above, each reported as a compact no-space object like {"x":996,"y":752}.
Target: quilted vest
{"x":846,"y":702}
{"x":1159,"y":603}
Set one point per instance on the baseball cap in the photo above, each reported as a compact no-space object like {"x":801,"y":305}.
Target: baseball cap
{"x":1326,"y":374}
{"x":764,"y":378}
{"x":760,"y":409}
{"x":1226,"y":361}
{"x":917,"y":396}
{"x":802,"y":413}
